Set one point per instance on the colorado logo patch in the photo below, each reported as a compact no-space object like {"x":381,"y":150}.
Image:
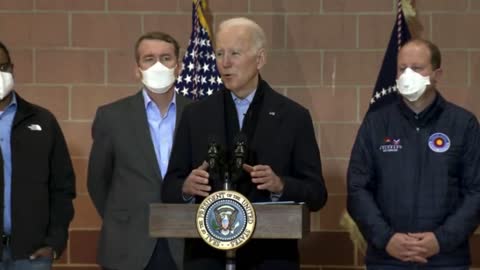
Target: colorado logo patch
{"x":439,"y":142}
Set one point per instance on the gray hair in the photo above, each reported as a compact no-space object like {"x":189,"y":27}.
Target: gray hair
{"x":257,"y":32}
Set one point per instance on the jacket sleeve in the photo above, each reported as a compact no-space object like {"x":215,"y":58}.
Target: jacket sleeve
{"x":62,"y":192}
{"x":179,"y":166}
{"x":306,"y":183}
{"x":361,"y":204}
{"x":461,"y":223}
{"x":101,"y":161}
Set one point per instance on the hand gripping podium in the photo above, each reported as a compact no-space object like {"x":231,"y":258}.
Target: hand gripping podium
{"x":273,"y":221}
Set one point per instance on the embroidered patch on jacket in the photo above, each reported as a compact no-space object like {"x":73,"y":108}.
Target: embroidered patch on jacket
{"x":390,"y":145}
{"x":35,"y":127}
{"x":439,"y":142}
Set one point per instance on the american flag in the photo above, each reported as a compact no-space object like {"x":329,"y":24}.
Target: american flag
{"x":199,"y":76}
{"x":386,"y":89}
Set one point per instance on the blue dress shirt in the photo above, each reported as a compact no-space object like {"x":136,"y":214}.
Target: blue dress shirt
{"x":6,"y":123}
{"x":162,"y":128}
{"x":242,"y":106}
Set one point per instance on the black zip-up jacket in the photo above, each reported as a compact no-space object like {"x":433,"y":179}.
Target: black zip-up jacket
{"x":416,"y":173}
{"x":43,"y":183}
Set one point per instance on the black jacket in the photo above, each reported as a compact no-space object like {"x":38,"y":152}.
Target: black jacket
{"x":283,"y":138}
{"x":417,"y":173}
{"x":43,"y":183}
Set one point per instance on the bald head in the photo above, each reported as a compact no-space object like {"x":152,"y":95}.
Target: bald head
{"x":256,"y":33}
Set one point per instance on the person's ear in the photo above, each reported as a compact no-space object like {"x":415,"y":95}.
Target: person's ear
{"x":437,"y":75}
{"x":138,"y":73}
{"x":261,"y":58}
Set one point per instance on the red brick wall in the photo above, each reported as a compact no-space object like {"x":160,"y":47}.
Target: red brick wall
{"x":74,"y":55}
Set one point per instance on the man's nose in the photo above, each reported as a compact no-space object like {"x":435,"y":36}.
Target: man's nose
{"x":226,"y":61}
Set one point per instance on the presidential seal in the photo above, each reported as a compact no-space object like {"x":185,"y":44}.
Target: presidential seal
{"x":226,"y":220}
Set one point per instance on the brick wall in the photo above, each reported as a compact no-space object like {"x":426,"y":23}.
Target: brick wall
{"x":73,"y":55}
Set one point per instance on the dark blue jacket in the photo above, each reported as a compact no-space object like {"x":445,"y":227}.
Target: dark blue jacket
{"x":417,"y":173}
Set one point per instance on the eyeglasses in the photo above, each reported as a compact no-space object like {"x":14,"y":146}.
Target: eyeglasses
{"x":6,"y":67}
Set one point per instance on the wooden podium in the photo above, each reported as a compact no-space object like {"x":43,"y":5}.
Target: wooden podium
{"x":274,"y":221}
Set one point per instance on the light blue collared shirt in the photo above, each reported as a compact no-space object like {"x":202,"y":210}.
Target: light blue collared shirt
{"x":6,"y":123}
{"x":242,"y":106}
{"x":162,"y":129}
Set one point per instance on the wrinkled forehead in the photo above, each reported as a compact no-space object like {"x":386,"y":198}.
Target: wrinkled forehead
{"x":234,"y":36}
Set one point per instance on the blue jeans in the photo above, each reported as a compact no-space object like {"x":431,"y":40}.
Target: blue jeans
{"x":414,"y":267}
{"x":38,"y":264}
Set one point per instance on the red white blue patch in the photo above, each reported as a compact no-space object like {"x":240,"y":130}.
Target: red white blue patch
{"x":390,"y":145}
{"x":439,"y":142}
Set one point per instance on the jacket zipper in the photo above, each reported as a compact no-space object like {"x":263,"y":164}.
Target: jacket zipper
{"x":417,"y":180}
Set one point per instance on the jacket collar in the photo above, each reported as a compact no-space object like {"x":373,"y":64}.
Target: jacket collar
{"x":427,"y":115}
{"x":24,"y":110}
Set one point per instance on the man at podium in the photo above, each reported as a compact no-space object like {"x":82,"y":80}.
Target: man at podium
{"x":282,"y":162}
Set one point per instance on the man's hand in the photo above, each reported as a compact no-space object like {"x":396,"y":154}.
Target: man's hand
{"x":402,"y":246}
{"x":265,"y":178}
{"x":426,"y":242}
{"x":44,"y":252}
{"x":196,"y":183}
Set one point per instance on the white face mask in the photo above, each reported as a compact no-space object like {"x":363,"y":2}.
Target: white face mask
{"x":158,"y":78}
{"x":6,"y":84}
{"x":412,"y":85}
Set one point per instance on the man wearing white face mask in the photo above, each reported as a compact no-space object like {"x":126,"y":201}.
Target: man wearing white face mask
{"x":36,"y":179}
{"x":414,"y":173}
{"x":132,"y":140}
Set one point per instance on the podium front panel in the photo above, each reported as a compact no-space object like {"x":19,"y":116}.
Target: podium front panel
{"x":273,"y":221}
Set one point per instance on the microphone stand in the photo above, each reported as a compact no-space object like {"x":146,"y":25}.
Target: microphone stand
{"x":230,"y":254}
{"x":236,"y":167}
{"x":215,"y":155}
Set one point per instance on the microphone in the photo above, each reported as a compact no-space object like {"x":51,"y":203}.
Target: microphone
{"x":239,"y":152}
{"x":213,"y":153}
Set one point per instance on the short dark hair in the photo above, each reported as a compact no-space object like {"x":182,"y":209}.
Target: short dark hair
{"x":157,"y":36}
{"x":4,"y":48}
{"x":435,"y":55}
